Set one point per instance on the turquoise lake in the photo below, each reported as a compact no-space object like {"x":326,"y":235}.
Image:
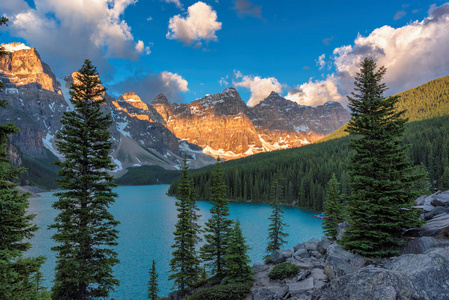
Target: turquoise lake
{"x":148,"y":218}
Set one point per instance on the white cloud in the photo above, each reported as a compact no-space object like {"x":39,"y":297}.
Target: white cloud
{"x":413,"y":54}
{"x":321,"y":61}
{"x":176,"y":2}
{"x":238,"y":74}
{"x":174,"y":81}
{"x":314,"y":93}
{"x":67,"y":32}
{"x":223,"y":81}
{"x":260,"y":87}
{"x":140,"y":47}
{"x":199,"y":24}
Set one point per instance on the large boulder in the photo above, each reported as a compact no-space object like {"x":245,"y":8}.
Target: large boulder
{"x":300,"y":287}
{"x":371,"y":284}
{"x":270,"y":293}
{"x":279,"y":256}
{"x":258,"y":267}
{"x":440,"y":199}
{"x":429,"y":272}
{"x":419,"y":245}
{"x":311,"y":245}
{"x":439,"y":210}
{"x":340,"y":262}
{"x":341,"y":228}
{"x":436,"y":226}
{"x":323,"y":245}
{"x":301,"y":253}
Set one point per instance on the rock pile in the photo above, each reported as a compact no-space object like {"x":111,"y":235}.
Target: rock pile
{"x":329,"y":272}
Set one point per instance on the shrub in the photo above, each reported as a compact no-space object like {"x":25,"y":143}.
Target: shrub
{"x":283,"y":270}
{"x":232,"y":291}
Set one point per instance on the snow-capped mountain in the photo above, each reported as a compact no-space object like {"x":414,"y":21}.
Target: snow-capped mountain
{"x":160,"y":132}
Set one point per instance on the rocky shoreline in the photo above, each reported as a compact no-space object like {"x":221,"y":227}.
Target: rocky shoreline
{"x":329,"y":272}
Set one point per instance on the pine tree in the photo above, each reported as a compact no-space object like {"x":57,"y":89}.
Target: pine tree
{"x":152,"y":283}
{"x":86,"y":230}
{"x":332,"y":208}
{"x":218,"y":226}
{"x":16,"y":272}
{"x":276,"y":233}
{"x":381,"y":175}
{"x":237,"y":259}
{"x":185,"y":262}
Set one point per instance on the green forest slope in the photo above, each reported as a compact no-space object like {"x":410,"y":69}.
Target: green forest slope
{"x":426,"y":101}
{"x":308,"y":169}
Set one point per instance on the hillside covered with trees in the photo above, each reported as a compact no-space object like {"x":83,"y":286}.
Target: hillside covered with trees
{"x":308,"y":169}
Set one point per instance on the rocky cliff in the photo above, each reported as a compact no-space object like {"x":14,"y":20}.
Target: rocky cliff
{"x":160,"y":133}
{"x":222,"y":124}
{"x":329,"y":272}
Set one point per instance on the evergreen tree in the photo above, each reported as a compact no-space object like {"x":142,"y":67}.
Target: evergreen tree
{"x":218,"y":226}
{"x":85,"y":229}
{"x":185,"y":262}
{"x":237,"y":259}
{"x":152,"y":283}
{"x":381,"y":175}
{"x":16,"y":272}
{"x":332,"y":208}
{"x":276,"y":233}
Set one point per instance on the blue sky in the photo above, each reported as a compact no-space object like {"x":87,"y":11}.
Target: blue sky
{"x":257,"y":46}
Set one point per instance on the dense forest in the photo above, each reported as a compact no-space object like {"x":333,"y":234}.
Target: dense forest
{"x":308,"y":169}
{"x":426,"y":101}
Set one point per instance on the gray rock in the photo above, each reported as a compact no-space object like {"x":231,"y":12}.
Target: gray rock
{"x":323,"y":245}
{"x":443,"y":251}
{"x":341,"y":228}
{"x":419,"y":245}
{"x":259,"y":267}
{"x":316,"y":254}
{"x":304,"y":264}
{"x":279,"y":256}
{"x":300,"y":287}
{"x":270,"y":293}
{"x":429,"y":272}
{"x":371,"y":284}
{"x":435,"y":226}
{"x":340,"y":262}
{"x":312,"y":245}
{"x":440,"y":210}
{"x":302,"y":253}
{"x":302,"y":275}
{"x":299,"y":246}
{"x":440,"y":199}
{"x":420,"y":200}
{"x":318,"y":274}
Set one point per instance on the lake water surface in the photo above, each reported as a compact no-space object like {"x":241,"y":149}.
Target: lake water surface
{"x":148,"y":218}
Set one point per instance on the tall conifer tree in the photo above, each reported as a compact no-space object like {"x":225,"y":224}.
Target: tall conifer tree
{"x":185,"y":262}
{"x":332,"y":208}
{"x":380,"y":206}
{"x":237,"y":259}
{"x":218,"y":226}
{"x":276,"y":233}
{"x":152,"y":283}
{"x":16,"y":272}
{"x":85,"y":228}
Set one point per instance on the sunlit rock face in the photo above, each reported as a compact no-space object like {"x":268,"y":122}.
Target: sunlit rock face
{"x":35,"y":100}
{"x":223,"y":125}
{"x":22,"y":65}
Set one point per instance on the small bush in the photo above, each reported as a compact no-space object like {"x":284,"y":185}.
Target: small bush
{"x":283,"y":270}
{"x":232,"y":291}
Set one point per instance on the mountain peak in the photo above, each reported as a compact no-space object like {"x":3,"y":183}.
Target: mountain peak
{"x":273,"y":93}
{"x":132,"y":99}
{"x":160,"y":99}
{"x":12,"y":47}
